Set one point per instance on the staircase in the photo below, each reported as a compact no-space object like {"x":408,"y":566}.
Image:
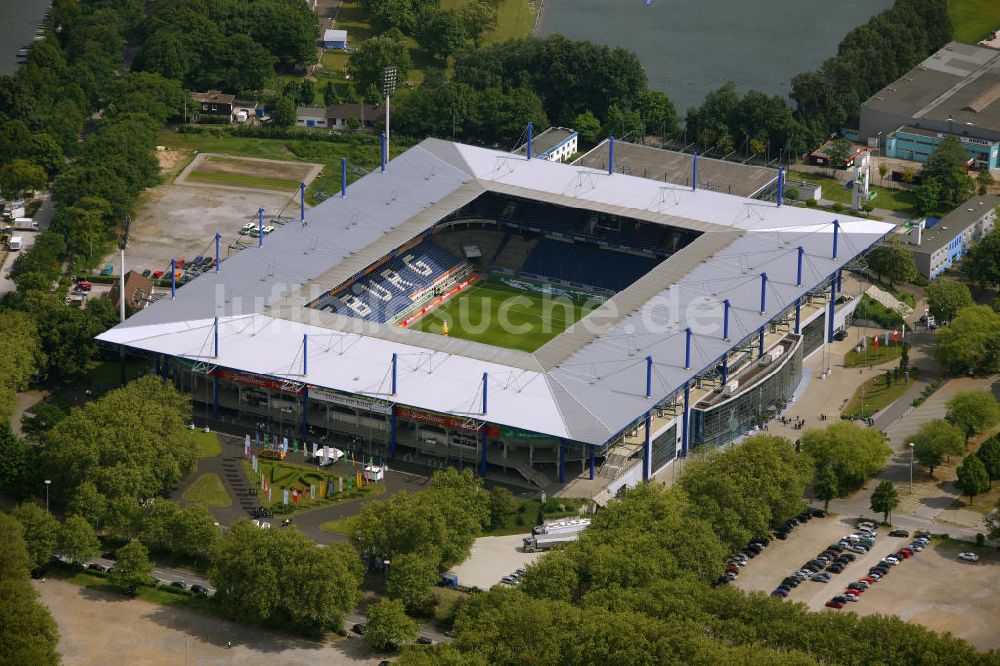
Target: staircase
{"x":515,"y":253}
{"x":889,"y":301}
{"x":532,"y":475}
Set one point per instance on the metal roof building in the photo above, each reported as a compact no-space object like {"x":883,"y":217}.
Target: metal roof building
{"x":754,"y":265}
{"x":956,"y":90}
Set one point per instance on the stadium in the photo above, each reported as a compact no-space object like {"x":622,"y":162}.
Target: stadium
{"x":552,"y":325}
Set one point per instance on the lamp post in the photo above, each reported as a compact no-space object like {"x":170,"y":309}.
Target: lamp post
{"x":388,"y":87}
{"x":911,"y":466}
{"x":48,"y":482}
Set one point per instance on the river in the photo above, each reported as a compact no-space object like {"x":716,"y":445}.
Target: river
{"x":18,"y":20}
{"x":691,"y":47}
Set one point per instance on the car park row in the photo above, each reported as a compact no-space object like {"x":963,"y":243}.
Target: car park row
{"x":757,"y":545}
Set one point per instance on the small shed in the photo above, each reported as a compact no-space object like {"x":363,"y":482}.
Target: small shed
{"x":335,"y":39}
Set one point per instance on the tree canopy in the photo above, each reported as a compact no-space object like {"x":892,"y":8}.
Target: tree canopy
{"x":946,"y":297}
{"x":935,"y":441}
{"x":972,"y":477}
{"x":892,"y":261}
{"x":283,"y":577}
{"x":28,"y":634}
{"x":973,"y":412}
{"x":132,"y":442}
{"x":982,"y":262}
{"x":946,"y":182}
{"x":972,"y":342}
{"x":746,"y":490}
{"x":388,"y":626}
{"x":851,"y":451}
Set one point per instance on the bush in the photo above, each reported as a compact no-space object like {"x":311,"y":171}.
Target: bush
{"x":837,"y":207}
{"x":811,"y":203}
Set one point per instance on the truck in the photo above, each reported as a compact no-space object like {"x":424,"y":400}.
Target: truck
{"x":25,"y":224}
{"x":562,"y":526}
{"x":542,"y":542}
{"x":14,"y":244}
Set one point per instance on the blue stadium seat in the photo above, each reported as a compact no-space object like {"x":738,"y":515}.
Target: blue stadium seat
{"x":587,"y":264}
{"x":386,"y":292}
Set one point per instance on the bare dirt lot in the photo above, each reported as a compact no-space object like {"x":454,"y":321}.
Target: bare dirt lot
{"x":101,"y":628}
{"x":932,"y":588}
{"x":493,"y":558}
{"x":243,"y":166}
{"x":179,"y":220}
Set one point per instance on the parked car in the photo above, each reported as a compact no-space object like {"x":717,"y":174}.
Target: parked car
{"x":732,"y":568}
{"x":423,"y":640}
{"x":179,"y":584}
{"x":100,"y":568}
{"x":359,"y":629}
{"x":891,"y":560}
{"x":200,"y":590}
{"x":779,"y":593}
{"x":833,"y":603}
{"x":899,"y":533}
{"x":968,"y":557}
{"x":821,"y":578}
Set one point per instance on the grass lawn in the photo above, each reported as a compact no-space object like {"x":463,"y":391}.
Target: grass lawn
{"x":285,"y":475}
{"x":886,"y":198}
{"x":208,"y":443}
{"x":525,"y":518}
{"x":495,"y":314}
{"x":244,"y":181}
{"x":208,"y":490}
{"x":974,"y":19}
{"x":342,"y":526}
{"x":156,"y":595}
{"x":877,"y":397}
{"x":871,"y":356}
{"x":328,"y":153}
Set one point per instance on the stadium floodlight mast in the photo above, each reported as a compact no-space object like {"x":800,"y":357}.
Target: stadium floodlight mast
{"x":388,"y":88}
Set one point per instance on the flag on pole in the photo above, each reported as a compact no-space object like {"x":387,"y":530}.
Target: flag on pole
{"x":256,"y":435}
{"x":314,"y":449}
{"x":269,"y":494}
{"x":253,"y":461}
{"x":312,"y":491}
{"x":285,"y":497}
{"x":284,"y":444}
{"x":246,"y":445}
{"x":295,"y":496}
{"x":875,"y":341}
{"x":895,"y":335}
{"x":886,"y":340}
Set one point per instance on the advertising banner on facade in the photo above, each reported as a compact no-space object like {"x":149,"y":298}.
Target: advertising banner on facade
{"x":260,"y":381}
{"x":354,"y":402}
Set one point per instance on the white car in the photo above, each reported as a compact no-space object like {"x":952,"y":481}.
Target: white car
{"x":247,"y":228}
{"x":891,"y":561}
{"x":867,"y":525}
{"x":968,"y":557}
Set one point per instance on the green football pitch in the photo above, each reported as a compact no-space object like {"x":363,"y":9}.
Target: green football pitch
{"x":495,"y":314}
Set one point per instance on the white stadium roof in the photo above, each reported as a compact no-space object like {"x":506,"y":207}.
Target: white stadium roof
{"x":586,"y":384}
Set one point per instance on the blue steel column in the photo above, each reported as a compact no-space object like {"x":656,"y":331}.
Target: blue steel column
{"x":694,"y":172}
{"x":781,"y":185}
{"x":302,"y":202}
{"x":687,"y":348}
{"x":684,"y":424}
{"x":343,"y":176}
{"x":531,"y":132}
{"x":305,"y":414}
{"x":382,"y":139}
{"x":611,"y":155}
{"x":763,"y":292}
{"x":798,"y":316}
{"x":218,"y":237}
{"x":833,"y":297}
{"x":392,"y":433}
{"x":647,"y":448}
{"x":836,"y":232}
{"x":798,"y":274}
{"x":649,"y":376}
{"x":725,"y":319}
{"x":260,"y":227}
{"x":173,"y":278}
{"x":592,"y":463}
{"x":485,"y":434}
{"x":760,"y":342}
{"x":215,"y":394}
{"x":725,"y":368}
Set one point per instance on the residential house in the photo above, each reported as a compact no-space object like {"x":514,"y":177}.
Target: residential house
{"x":938,"y":244}
{"x":369,"y":118}
{"x":310,"y":116}
{"x":138,"y":290}
{"x":213,"y":104}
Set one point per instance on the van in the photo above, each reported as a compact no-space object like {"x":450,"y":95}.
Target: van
{"x":272,"y":454}
{"x":25,"y":224}
{"x":14,"y":244}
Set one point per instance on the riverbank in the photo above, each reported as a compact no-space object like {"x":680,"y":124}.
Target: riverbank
{"x":18,"y":21}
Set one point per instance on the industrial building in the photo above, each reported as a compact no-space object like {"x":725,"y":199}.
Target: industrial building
{"x":956,"y":91}
{"x":556,"y":144}
{"x":305,"y":331}
{"x":938,"y":244}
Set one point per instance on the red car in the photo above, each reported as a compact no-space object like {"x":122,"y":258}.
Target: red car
{"x":853,"y":592}
{"x":157,"y":275}
{"x":179,"y":263}
{"x":906,"y":553}
{"x":733,"y":569}
{"x":869,"y":580}
{"x":834,"y":604}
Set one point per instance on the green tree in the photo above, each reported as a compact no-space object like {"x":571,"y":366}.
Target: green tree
{"x":936,"y":440}
{"x":443,"y":33}
{"x":989,"y":453}
{"x":589,"y":128}
{"x":142,"y":92}
{"x":194,"y":532}
{"x":883,"y":169}
{"x":839,"y":152}
{"x":478,"y":17}
{"x":946,"y":297}
{"x":745,"y":490}
{"x":87,"y":501}
{"x":982,"y":262}
{"x":969,"y":343}
{"x":885,"y":499}
{"x":28,"y":634}
{"x":283,"y":576}
{"x":974,"y":412}
{"x":133,"y":567}
{"x":945,"y":169}
{"x":555,"y":576}
{"x":77,"y":540}
{"x":984,"y":179}
{"x":284,"y":113}
{"x":388,"y":626}
{"x":41,"y":532}
{"x":330,"y":96}
{"x":20,"y":176}
{"x":502,"y":506}
{"x":972,"y":477}
{"x":853,"y":452}
{"x":929,"y":196}
{"x":825,"y":485}
{"x":893,"y":261}
{"x":373,"y":56}
{"x":288,"y":30}
{"x":306,"y":92}
{"x":17,"y":462}
{"x":412,"y":577}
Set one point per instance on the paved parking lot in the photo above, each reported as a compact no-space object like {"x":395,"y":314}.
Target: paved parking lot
{"x":493,"y":558}
{"x":932,"y":588}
